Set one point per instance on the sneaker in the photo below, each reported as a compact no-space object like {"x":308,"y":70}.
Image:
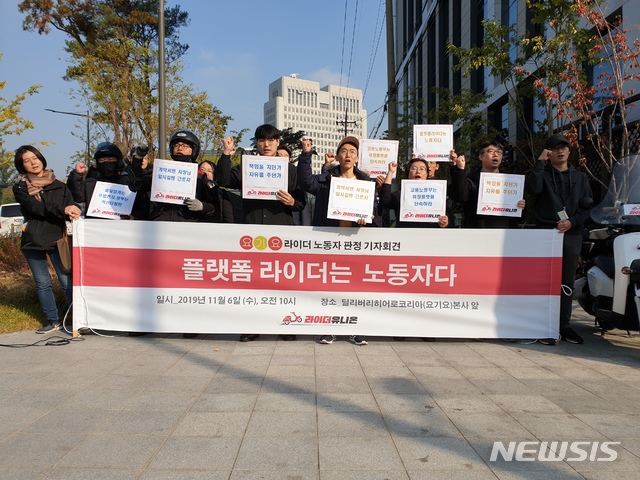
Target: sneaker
{"x":327,"y":339}
{"x":288,"y":338}
{"x":569,"y":335}
{"x":358,"y":340}
{"x":49,"y":328}
{"x":189,"y":335}
{"x":547,"y":341}
{"x":248,"y":337}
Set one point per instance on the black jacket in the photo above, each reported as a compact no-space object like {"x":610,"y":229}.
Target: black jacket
{"x":45,"y":219}
{"x":267,"y":212}
{"x":464,"y":189}
{"x":320,"y":185}
{"x":554,"y":191}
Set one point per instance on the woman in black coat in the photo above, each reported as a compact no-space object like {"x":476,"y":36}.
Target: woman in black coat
{"x":46,"y":203}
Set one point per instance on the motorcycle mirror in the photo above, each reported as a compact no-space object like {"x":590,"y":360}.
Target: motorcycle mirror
{"x":585,"y":202}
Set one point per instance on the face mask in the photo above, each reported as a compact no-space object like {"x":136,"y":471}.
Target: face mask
{"x":108,"y":170}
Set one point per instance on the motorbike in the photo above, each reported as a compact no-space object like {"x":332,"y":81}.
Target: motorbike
{"x":608,"y":283}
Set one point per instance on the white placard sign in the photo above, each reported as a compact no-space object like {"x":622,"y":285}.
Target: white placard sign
{"x":499,"y":193}
{"x":351,"y":199}
{"x":433,"y":142}
{"x":631,"y":209}
{"x":375,"y":156}
{"x":262,"y":177}
{"x":422,"y":200}
{"x":173,"y":182}
{"x":110,"y":200}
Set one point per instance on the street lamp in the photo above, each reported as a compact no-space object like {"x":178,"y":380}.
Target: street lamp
{"x":86,"y":115}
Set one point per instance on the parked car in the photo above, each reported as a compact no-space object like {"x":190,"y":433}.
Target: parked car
{"x":10,"y":219}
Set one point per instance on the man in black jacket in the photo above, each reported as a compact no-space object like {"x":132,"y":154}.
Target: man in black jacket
{"x":465,"y":186}
{"x":256,"y":211}
{"x":563,"y":198}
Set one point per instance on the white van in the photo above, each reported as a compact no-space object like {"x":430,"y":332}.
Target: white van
{"x":10,"y":218}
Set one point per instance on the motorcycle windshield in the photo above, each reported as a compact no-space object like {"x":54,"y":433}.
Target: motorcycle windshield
{"x":621,"y":205}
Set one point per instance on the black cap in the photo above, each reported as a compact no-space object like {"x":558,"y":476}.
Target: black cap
{"x":555,"y":139}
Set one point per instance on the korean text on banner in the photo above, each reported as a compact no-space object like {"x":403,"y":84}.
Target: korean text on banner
{"x":316,"y":281}
{"x":110,"y":200}
{"x":262,"y":177}
{"x":375,"y":156}
{"x":499,"y":193}
{"x":433,"y":142}
{"x":173,"y":182}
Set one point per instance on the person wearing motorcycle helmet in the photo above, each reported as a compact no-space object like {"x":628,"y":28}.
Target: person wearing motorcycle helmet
{"x":184,"y":146}
{"x":109,"y":167}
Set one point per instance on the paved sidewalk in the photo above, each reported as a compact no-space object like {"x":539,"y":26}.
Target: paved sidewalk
{"x":165,"y":407}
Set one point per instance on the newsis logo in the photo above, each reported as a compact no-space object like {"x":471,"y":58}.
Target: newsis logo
{"x":577,"y":451}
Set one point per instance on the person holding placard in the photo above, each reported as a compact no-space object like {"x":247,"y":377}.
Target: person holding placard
{"x":262,"y":211}
{"x":465,"y":187}
{"x":184,"y":146}
{"x":563,"y":200}
{"x":416,"y":169}
{"x":302,"y":217}
{"x":109,"y":168}
{"x":320,"y":186}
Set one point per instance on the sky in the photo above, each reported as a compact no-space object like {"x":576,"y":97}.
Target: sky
{"x":237,"y":49}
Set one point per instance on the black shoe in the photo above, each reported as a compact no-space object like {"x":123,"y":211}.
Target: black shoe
{"x":136,"y":334}
{"x":288,"y":338}
{"x":189,"y":335}
{"x":248,"y":337}
{"x":49,"y":328}
{"x":569,"y":335}
{"x":547,"y":341}
{"x":399,"y":339}
{"x":428,"y":339}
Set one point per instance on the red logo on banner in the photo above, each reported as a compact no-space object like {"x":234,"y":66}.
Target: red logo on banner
{"x":246,"y":242}
{"x":275,"y":243}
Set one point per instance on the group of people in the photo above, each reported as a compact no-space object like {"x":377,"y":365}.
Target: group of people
{"x":560,"y":193}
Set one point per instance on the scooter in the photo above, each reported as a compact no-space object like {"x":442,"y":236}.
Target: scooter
{"x":609,"y":287}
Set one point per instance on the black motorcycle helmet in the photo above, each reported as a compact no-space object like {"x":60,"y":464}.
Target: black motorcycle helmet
{"x":108,"y":149}
{"x":186,"y":136}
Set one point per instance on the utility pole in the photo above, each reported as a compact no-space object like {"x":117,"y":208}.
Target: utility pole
{"x":162,"y":129}
{"x":345,"y":123}
{"x":392,"y":90}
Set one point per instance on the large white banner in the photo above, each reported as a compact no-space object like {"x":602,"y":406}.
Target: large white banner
{"x":223,"y":278}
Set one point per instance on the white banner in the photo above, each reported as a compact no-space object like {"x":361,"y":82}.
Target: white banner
{"x":375,"y":156}
{"x":499,"y":194}
{"x":173,"y":182}
{"x":263,"y":177}
{"x":351,"y":199}
{"x":423,"y":200}
{"x":433,"y":142}
{"x":225,"y":278}
{"x":110,"y":200}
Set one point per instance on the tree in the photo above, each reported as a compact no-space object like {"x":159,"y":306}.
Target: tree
{"x":113,"y":48}
{"x":11,"y":123}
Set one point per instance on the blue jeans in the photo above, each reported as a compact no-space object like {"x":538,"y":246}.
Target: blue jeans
{"x":37,"y":261}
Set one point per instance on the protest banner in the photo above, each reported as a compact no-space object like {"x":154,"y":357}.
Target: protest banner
{"x":499,"y":194}
{"x":433,"y":142}
{"x":262,"y":177}
{"x":161,"y":277}
{"x":351,"y":199}
{"x":110,"y":200}
{"x":423,"y":200}
{"x":375,"y":156}
{"x":173,"y":182}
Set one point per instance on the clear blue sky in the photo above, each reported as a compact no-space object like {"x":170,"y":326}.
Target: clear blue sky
{"x":236,"y":49}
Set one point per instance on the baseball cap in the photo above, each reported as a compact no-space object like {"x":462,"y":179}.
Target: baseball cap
{"x":556,"y":139}
{"x":350,"y":140}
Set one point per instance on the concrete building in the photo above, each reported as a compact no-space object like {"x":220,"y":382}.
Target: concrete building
{"x":322,"y":113}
